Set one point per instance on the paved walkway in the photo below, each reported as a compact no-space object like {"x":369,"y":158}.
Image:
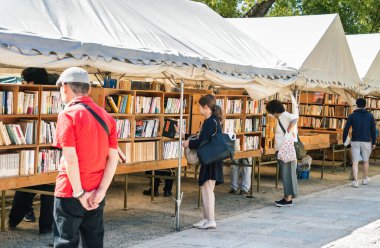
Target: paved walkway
{"x":339,"y":217}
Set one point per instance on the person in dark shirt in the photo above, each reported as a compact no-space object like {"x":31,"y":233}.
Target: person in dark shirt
{"x":22,"y":205}
{"x":363,"y":139}
{"x":209,"y":174}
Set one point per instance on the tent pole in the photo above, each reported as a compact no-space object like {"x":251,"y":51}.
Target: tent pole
{"x":178,"y":188}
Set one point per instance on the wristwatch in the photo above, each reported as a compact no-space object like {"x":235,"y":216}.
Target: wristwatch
{"x":79,"y":194}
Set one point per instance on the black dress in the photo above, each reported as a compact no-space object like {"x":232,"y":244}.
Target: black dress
{"x":212,"y":171}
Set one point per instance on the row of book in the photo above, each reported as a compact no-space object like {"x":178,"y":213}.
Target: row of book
{"x":339,"y":111}
{"x":6,"y":102}
{"x":310,"y":109}
{"x":47,"y":132}
{"x":9,"y":164}
{"x":252,"y":125}
{"x":48,"y":160}
{"x":255,"y":107}
{"x":120,"y":104}
{"x":234,"y":106}
{"x":123,"y":127}
{"x":376,"y":114}
{"x":145,"y":151}
{"x":170,"y":150}
{"x":335,"y":123}
{"x":21,"y":133}
{"x":220,"y":102}
{"x":334,"y":99}
{"x":148,"y":105}
{"x":373,"y":103}
{"x":310,"y":122}
{"x":147,"y":128}
{"x":51,"y":102}
{"x":27,"y":102}
{"x":172,"y":105}
{"x":251,"y":143}
{"x":232,"y":126}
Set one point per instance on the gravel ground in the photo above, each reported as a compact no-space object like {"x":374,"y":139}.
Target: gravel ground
{"x":146,"y":220}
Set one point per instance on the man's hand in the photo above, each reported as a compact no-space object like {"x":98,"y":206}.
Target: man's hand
{"x":86,"y":201}
{"x":98,"y":197}
{"x":373,"y":147}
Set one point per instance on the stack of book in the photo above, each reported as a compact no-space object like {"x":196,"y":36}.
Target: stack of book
{"x":13,"y":134}
{"x":220,"y":102}
{"x":120,"y":104}
{"x":26,"y":162}
{"x":6,"y":102}
{"x":334,"y":99}
{"x":310,"y":122}
{"x":172,"y":105}
{"x":9,"y":164}
{"x":27,"y":102}
{"x":334,"y":123}
{"x":48,"y":160}
{"x":47,"y":131}
{"x":148,"y":105}
{"x":251,"y":143}
{"x":234,"y":106}
{"x":339,"y":111}
{"x":310,"y":109}
{"x":125,"y":153}
{"x":123,"y":127}
{"x":145,"y":151}
{"x":373,"y":103}
{"x":170,"y":150}
{"x":51,"y":102}
{"x":252,"y":125}
{"x":254,"y":107}
{"x":232,"y":125}
{"x":146,"y":128}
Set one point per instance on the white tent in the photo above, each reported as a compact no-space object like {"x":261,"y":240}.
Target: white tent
{"x":180,"y":38}
{"x":365,"y":49}
{"x":315,"y":45}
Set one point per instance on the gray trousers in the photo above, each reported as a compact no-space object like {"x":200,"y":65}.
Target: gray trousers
{"x":289,"y":177}
{"x":245,"y":173}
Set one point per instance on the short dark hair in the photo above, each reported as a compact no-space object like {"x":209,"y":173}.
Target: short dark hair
{"x":36,"y":75}
{"x":275,"y":107}
{"x":361,"y":103}
{"x":79,"y":88}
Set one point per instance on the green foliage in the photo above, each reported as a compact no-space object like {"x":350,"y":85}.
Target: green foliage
{"x":357,"y":16}
{"x":225,"y":8}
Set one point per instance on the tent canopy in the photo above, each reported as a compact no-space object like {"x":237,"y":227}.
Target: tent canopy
{"x":365,"y":50}
{"x":315,"y":45}
{"x":137,"y":37}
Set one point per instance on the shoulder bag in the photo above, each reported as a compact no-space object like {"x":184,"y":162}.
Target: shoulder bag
{"x":220,"y":146}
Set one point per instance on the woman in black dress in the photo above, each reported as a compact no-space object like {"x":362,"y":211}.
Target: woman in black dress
{"x":210,"y":174}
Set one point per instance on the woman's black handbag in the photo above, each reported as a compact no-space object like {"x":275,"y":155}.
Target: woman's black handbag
{"x":219,"y":147}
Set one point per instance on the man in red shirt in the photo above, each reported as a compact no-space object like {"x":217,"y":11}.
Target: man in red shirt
{"x":86,"y":133}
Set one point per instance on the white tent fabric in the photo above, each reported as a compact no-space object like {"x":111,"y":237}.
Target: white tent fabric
{"x":315,"y":45}
{"x":365,"y":49}
{"x":181,"y":38}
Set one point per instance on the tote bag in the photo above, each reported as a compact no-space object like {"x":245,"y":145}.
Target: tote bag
{"x":287,"y":152}
{"x":298,"y":145}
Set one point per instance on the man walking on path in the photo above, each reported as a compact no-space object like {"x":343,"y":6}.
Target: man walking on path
{"x":363,"y":139}
{"x":87,"y":135}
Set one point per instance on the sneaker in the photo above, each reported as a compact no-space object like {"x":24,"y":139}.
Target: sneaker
{"x":168,"y":193}
{"x":30,"y":217}
{"x":200,"y":223}
{"x":233,"y":191}
{"x":243,"y":192}
{"x":284,"y":203}
{"x":211,"y":224}
{"x":148,"y":192}
{"x":366,"y":180}
{"x":355,"y":184}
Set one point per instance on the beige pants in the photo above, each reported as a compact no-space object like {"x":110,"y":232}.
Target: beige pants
{"x":208,"y":199}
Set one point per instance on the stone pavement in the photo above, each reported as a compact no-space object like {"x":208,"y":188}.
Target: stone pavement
{"x":337,"y":217}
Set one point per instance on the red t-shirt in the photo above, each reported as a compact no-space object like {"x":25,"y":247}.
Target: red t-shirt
{"x":77,"y":127}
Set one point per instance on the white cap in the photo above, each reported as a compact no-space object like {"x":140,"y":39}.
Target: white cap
{"x":74,"y":75}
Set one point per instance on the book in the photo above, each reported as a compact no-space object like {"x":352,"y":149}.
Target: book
{"x":112,"y":104}
{"x":51,"y":102}
{"x":251,"y":143}
{"x":148,"y":105}
{"x":6,"y":102}
{"x":47,"y":131}
{"x":169,"y":128}
{"x":252,"y":125}
{"x":172,"y":105}
{"x":254,"y":107}
{"x":234,"y":106}
{"x":146,"y":128}
{"x":123,"y":127}
{"x":170,"y":150}
{"x":233,"y":126}
{"x":145,"y":151}
{"x":9,"y":164}
{"x":48,"y":160}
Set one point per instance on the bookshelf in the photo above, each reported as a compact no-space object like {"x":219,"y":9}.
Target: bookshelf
{"x":45,"y":113}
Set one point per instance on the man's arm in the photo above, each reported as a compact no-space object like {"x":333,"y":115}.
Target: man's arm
{"x":347,"y":128}
{"x":70,"y":163}
{"x":109,"y":172}
{"x":373,"y":132}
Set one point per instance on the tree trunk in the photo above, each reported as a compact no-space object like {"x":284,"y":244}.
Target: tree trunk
{"x":260,"y":9}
